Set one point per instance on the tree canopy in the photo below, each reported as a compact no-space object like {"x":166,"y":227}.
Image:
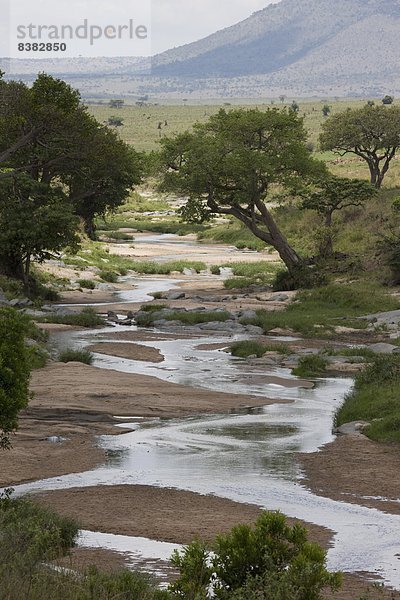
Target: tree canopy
{"x":14,"y":372}
{"x":235,"y":164}
{"x":333,"y":194}
{"x":56,"y":163}
{"x":372,"y":132}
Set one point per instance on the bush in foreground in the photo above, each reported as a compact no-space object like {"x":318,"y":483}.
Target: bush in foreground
{"x":311,"y":366}
{"x":269,"y":560}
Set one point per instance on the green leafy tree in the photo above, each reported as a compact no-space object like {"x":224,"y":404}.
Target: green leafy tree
{"x":387,"y":100}
{"x":14,"y":372}
{"x":235,"y":163}
{"x":114,"y":121}
{"x":371,"y":132}
{"x":37,"y":221}
{"x":55,"y":159}
{"x":270,"y":561}
{"x":326,"y":110}
{"x":331,"y":195}
{"x":105,"y":173}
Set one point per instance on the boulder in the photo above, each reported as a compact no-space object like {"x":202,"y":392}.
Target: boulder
{"x":176,"y":296}
{"x":278,"y":298}
{"x":248,"y":315}
{"x":383,"y":348}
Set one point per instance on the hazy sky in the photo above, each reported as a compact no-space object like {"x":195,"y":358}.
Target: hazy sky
{"x":172,"y":23}
{"x":177,"y":22}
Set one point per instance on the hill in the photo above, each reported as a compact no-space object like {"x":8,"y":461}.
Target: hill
{"x":300,"y":48}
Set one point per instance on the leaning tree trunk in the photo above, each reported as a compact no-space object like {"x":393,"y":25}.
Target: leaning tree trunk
{"x":89,"y":228}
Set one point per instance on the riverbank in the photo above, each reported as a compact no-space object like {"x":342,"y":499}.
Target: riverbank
{"x":77,"y":402}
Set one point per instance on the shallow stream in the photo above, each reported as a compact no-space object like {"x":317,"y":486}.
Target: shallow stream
{"x":248,"y":456}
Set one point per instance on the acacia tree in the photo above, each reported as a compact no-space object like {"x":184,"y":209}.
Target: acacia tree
{"x":333,"y":194}
{"x":232,"y":164}
{"x":372,"y":133}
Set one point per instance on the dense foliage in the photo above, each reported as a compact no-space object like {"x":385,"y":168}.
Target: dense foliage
{"x":372,"y":133}
{"x":268,"y":561}
{"x":57,"y":163}
{"x":14,"y":372}
{"x":235,"y":164}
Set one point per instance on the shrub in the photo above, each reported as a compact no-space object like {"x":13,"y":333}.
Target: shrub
{"x":249,"y":348}
{"x":375,"y":399}
{"x":87,"y":284}
{"x":15,"y":365}
{"x":319,"y":311}
{"x":70,"y":355}
{"x":109,"y":276}
{"x":30,"y":534}
{"x":311,"y":366}
{"x":255,"y":562}
{"x":152,"y":307}
{"x":303,"y":278}
{"x":87,"y":318}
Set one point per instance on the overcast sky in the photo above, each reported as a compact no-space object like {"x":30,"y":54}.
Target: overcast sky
{"x":172,"y":22}
{"x":177,"y":22}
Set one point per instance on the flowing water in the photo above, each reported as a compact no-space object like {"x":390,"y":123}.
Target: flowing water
{"x":247,"y":456}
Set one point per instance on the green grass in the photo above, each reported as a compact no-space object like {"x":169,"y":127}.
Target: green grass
{"x":187,"y":318}
{"x":139,"y":204}
{"x":87,"y":284}
{"x":38,"y":357}
{"x":70,"y":355}
{"x":248,"y":348}
{"x":109,"y":276}
{"x":319,"y":311}
{"x":87,"y":318}
{"x":375,"y":399}
{"x":117,"y":236}
{"x":358,"y":351}
{"x":171,"y":226}
{"x":152,"y":307}
{"x":234,"y":234}
{"x":32,"y":537}
{"x":311,"y":366}
{"x":152,"y":268}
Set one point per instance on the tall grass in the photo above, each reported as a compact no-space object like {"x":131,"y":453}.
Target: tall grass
{"x":87,"y":318}
{"x":33,"y":537}
{"x":319,"y":311}
{"x":234,"y":234}
{"x":375,"y":399}
{"x":248,"y":348}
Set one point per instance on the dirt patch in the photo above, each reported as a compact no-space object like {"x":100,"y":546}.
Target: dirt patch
{"x":129,"y":351}
{"x":34,"y":457}
{"x":355,"y":469}
{"x":178,"y":517}
{"x":78,"y":387}
{"x":357,"y":587}
{"x":166,"y":515}
{"x":211,"y":347}
{"x":80,"y":559}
